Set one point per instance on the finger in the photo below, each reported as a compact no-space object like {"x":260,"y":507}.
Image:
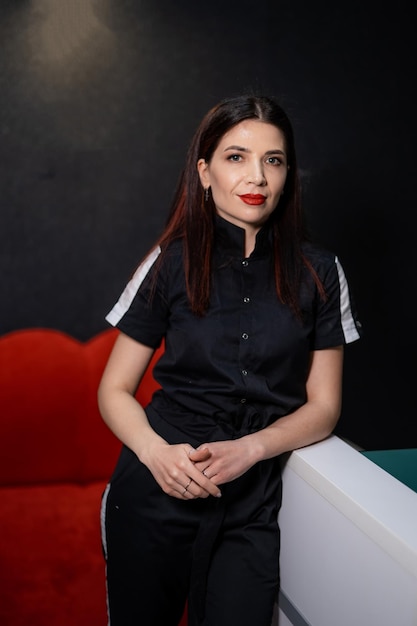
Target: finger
{"x":189,"y":481}
{"x":191,"y":492}
{"x":201,"y":454}
{"x":201,"y":465}
{"x":209,"y":473}
{"x":183,"y":489}
{"x":194,"y":491}
{"x":206,"y":484}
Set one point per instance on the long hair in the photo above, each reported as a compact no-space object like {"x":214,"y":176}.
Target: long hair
{"x":192,"y":218}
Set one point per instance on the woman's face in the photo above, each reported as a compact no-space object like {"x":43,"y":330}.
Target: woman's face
{"x":247,"y":173}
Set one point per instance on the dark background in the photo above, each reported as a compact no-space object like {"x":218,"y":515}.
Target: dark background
{"x":98,"y":101}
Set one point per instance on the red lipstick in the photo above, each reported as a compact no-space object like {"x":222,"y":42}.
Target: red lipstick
{"x":253,"y":198}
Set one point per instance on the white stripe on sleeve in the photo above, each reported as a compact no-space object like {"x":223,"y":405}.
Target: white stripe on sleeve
{"x":131,"y":289}
{"x":348,"y":324}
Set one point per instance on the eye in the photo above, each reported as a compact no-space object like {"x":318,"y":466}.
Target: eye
{"x":235,"y":158}
{"x":274,"y":160}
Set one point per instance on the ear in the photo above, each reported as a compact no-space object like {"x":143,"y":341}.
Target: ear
{"x":203,"y":172}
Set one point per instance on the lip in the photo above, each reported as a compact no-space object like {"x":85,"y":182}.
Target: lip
{"x":253,"y":198}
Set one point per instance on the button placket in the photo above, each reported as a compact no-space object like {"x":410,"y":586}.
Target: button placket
{"x":245,"y":322}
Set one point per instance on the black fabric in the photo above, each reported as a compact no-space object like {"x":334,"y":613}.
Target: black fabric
{"x":221,"y":554}
{"x":249,"y":349}
{"x":225,"y":375}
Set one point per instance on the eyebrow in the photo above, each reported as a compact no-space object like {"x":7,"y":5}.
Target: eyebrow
{"x":242,"y":149}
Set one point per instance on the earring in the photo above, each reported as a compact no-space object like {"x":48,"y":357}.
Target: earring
{"x":206,"y":194}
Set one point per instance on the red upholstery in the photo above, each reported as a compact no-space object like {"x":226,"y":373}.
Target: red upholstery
{"x":56,"y":455}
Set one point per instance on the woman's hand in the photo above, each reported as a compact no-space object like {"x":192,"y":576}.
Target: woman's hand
{"x":177,"y":474}
{"x":226,"y":460}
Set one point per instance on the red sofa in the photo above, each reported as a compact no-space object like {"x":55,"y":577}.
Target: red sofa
{"x":56,"y":455}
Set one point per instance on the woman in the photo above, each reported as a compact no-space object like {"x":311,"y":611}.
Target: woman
{"x":254,"y":320}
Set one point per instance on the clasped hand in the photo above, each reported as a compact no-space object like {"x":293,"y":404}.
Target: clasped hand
{"x":187,"y":473}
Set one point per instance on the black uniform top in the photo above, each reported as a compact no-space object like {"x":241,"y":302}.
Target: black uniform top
{"x":227,"y":374}
{"x":248,"y":354}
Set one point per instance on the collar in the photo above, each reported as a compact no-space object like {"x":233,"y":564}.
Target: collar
{"x":230,"y":240}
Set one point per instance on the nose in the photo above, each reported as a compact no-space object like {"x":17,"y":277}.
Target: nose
{"x":255,"y":173}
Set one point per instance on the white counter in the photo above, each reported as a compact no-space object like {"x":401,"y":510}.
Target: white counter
{"x":348,"y":541}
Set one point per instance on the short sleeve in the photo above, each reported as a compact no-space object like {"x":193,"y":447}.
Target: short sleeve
{"x":141,"y":311}
{"x":337,"y":321}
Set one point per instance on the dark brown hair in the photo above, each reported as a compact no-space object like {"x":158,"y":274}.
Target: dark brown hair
{"x":192,"y":219}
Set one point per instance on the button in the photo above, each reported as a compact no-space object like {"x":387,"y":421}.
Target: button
{"x":242,"y":400}
{"x":245,"y":263}
{"x":244,"y":372}
{"x":245,"y":336}
{"x":246,"y":300}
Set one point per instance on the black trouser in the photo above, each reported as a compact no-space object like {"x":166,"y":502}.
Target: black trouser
{"x":220,"y":553}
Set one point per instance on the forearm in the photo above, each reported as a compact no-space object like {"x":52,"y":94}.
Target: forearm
{"x":308,"y":424}
{"x":314,"y":420}
{"x":127,"y":419}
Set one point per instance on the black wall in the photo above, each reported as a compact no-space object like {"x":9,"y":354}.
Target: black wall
{"x":98,"y":100}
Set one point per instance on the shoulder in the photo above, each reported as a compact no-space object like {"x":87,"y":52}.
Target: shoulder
{"x":160,"y":259}
{"x":325,"y":263}
{"x":317,"y":252}
{"x":158,"y":265}
{"x":172,"y":257}
{"x":170,"y":268}
{"x":174,"y":249}
{"x":320,"y":258}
